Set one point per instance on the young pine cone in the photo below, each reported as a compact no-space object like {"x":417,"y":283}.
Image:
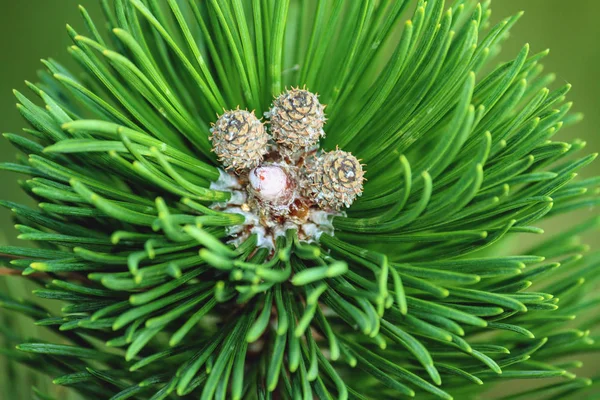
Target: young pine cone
{"x":335,"y":179}
{"x":239,"y":139}
{"x":297,"y":120}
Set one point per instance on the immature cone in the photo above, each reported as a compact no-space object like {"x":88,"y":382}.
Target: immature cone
{"x":239,"y":139}
{"x":335,"y":179}
{"x":274,"y":186}
{"x":297,"y":120}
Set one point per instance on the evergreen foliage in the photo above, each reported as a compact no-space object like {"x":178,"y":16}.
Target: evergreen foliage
{"x":415,"y":293}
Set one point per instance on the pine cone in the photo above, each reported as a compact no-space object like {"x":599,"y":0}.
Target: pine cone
{"x":239,"y":139}
{"x":297,"y":120}
{"x":335,"y":179}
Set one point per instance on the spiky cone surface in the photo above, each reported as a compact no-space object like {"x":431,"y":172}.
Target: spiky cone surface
{"x":417,"y":289}
{"x":334,"y":179}
{"x":239,"y":139}
{"x":296,"y":120}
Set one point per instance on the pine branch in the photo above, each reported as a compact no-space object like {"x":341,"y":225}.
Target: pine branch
{"x":181,"y":274}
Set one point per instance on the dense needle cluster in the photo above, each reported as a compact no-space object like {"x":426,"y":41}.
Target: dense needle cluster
{"x":242,"y":264}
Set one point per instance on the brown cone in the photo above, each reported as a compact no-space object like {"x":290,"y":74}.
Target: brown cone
{"x":297,"y":120}
{"x":335,"y":179}
{"x":239,"y":139}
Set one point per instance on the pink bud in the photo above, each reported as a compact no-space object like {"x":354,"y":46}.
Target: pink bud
{"x":270,"y":183}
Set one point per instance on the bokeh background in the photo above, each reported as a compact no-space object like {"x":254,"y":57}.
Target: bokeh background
{"x":34,"y":29}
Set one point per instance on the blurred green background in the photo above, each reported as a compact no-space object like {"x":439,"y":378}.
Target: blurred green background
{"x":34,"y":29}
